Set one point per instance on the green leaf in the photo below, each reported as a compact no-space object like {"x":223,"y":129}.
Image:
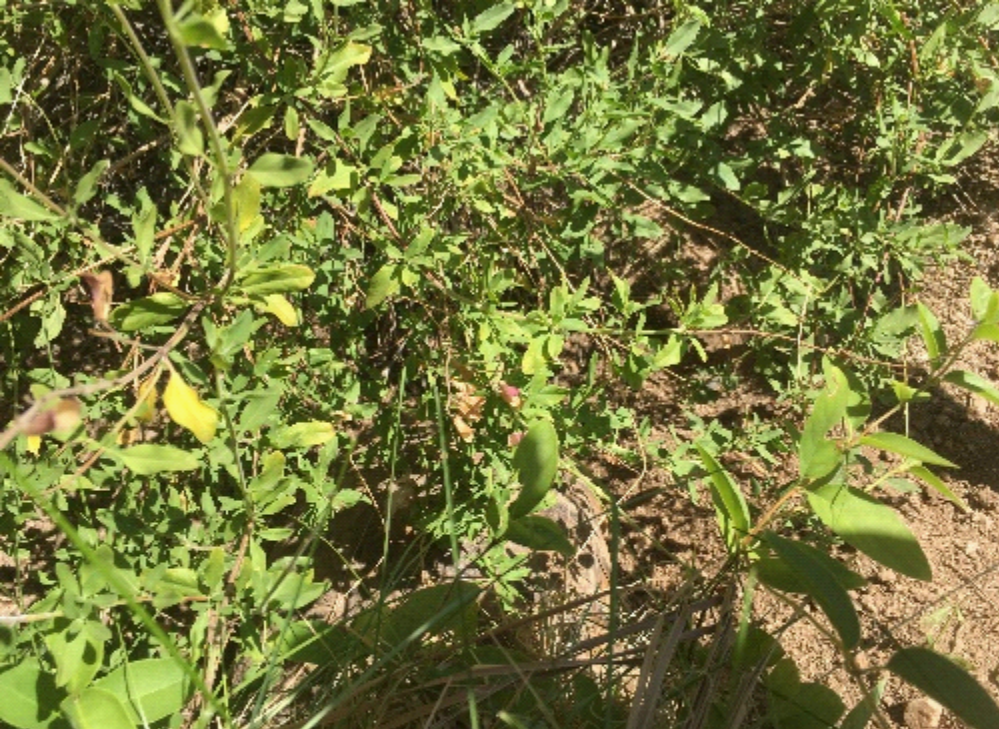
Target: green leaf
{"x":906,"y":447}
{"x":870,"y":526}
{"x":933,"y":336}
{"x":986,"y":332}
{"x":291,"y":125}
{"x":314,"y":641}
{"x":78,"y":650}
{"x":383,"y":284}
{"x":730,"y":504}
{"x":144,"y":225}
{"x":980,"y":295}
{"x":812,"y":706}
{"x":440,"y":44}
{"x":246,"y":197}
{"x":973,"y":383}
{"x":430,"y":610}
{"x":780,"y":575}
{"x":96,"y":708}
{"x":15,"y":205}
{"x":337,"y":175}
{"x":534,"y":360}
{"x":860,"y":715}
{"x":817,"y":456}
{"x":160,"y":308}
{"x":681,"y":38}
{"x":557,"y":104}
{"x":989,"y":16}
{"x":491,"y":18}
{"x":148,"y":459}
{"x":727,"y":177}
{"x":190,"y":140}
{"x":948,"y":683}
{"x":821,"y":584}
{"x":536,"y":462}
{"x":937,"y":483}
{"x":205,"y":31}
{"x":961,"y":147}
{"x":339,"y":63}
{"x":276,"y":279}
{"x":30,"y":697}
{"x":280,"y":170}
{"x":85,"y":188}
{"x":539,"y":533}
{"x":304,"y":435}
{"x":151,"y":689}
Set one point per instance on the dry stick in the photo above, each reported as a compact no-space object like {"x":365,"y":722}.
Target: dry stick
{"x":29,"y":186}
{"x":714,"y":231}
{"x":20,"y":305}
{"x":844,"y":353}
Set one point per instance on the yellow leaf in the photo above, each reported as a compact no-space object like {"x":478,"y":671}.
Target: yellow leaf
{"x":34,"y":444}
{"x":146,"y":399}
{"x":187,"y":410}
{"x":281,"y":308}
{"x":247,"y":198}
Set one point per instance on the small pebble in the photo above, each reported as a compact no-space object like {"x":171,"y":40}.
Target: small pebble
{"x":924,"y":713}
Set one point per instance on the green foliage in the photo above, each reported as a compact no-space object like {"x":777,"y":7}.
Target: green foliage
{"x":371,"y":244}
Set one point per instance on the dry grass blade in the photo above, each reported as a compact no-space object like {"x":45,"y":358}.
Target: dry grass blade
{"x":658,"y":659}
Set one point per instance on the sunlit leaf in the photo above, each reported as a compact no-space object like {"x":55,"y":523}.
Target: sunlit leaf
{"x":383,"y":284}
{"x":15,"y":205}
{"x":154,"y":688}
{"x":681,"y":38}
{"x":937,"y":483}
{"x":148,"y":459}
{"x":536,"y":461}
{"x":932,"y":334}
{"x":246,"y":196}
{"x":159,"y":308}
{"x":974,"y":383}
{"x":870,"y":526}
{"x":282,"y":309}
{"x":205,"y":31}
{"x":280,"y":170}
{"x":817,"y":456}
{"x":730,"y":504}
{"x":491,"y":18}
{"x":186,"y":408}
{"x":190,"y":140}
{"x":304,"y":435}
{"x":96,"y":708}
{"x":276,"y":279}
{"x":906,"y":447}
{"x":30,"y":697}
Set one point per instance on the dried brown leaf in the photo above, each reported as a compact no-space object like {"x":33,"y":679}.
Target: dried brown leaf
{"x":101,"y":287}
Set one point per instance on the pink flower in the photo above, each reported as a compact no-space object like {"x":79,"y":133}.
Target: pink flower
{"x":510,"y":395}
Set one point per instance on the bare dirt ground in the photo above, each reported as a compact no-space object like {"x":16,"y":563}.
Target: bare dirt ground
{"x":956,"y":613}
{"x":670,"y":538}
